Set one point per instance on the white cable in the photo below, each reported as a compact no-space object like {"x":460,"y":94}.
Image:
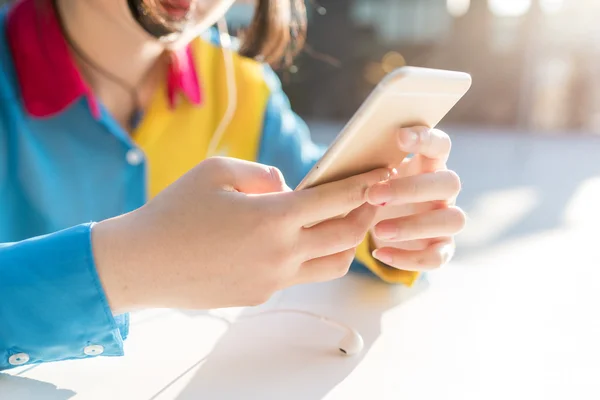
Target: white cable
{"x":351,"y":344}
{"x":227,"y":51}
{"x":302,"y":312}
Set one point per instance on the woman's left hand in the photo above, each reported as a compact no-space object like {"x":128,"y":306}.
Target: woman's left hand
{"x":415,"y":227}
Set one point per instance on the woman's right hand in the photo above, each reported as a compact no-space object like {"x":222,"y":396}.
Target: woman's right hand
{"x":230,"y":233}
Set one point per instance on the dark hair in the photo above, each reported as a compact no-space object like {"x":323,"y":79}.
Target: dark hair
{"x":277,"y":31}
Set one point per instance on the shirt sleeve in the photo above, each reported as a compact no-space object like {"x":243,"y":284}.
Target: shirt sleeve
{"x":286,"y":144}
{"x":52,"y":305}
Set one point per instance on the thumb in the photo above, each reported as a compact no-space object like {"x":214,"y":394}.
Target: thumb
{"x":245,"y":176}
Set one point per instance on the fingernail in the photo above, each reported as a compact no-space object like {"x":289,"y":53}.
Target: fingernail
{"x":408,"y":139}
{"x":385,"y":232}
{"x":380,"y":194}
{"x":390,"y":174}
{"x":383,"y":257}
{"x":447,"y":252}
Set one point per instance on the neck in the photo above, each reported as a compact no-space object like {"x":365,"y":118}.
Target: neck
{"x":113,"y":43}
{"x":122,"y":64}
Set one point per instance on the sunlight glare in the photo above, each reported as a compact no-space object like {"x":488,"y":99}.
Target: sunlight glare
{"x":509,"y":8}
{"x":552,"y":6}
{"x":458,"y":8}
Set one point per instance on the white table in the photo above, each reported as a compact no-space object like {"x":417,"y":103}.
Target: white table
{"x":501,"y":326}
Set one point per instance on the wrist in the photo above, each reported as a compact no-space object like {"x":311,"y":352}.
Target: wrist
{"x":111,"y":247}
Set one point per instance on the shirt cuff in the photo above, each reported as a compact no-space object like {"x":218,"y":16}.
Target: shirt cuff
{"x":364,"y":255}
{"x":52,"y":305}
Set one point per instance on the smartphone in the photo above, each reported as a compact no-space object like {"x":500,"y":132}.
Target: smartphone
{"x":408,"y":96}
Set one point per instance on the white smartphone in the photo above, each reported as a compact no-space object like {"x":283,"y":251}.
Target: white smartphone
{"x":408,"y":96}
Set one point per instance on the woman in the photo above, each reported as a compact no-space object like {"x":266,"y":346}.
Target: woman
{"x":109,"y":108}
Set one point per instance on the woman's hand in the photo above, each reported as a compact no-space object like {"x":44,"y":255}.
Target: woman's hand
{"x":230,"y":233}
{"x":416,"y":225}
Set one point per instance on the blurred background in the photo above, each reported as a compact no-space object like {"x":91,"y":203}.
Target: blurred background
{"x":525,"y":138}
{"x":535,"y":63}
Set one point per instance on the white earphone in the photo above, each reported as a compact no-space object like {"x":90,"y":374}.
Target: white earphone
{"x":352,"y":343}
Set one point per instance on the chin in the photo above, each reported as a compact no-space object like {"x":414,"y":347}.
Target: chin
{"x":156,"y":21}
{"x":179,"y":26}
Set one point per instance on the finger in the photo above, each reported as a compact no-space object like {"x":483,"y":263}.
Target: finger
{"x":337,"y":235}
{"x":433,"y":257}
{"x":325,"y":269}
{"x":421,"y":164}
{"x":405,"y":167}
{"x":403,"y":210}
{"x":430,"y":143}
{"x":412,"y":245}
{"x":245,"y":176}
{"x":444,"y":222}
{"x":440,"y":185}
{"x":337,"y":198}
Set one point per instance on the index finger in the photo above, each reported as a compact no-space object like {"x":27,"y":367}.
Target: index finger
{"x":335,"y":199}
{"x":430,"y":143}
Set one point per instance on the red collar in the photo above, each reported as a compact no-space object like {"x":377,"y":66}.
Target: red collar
{"x":47,"y":75}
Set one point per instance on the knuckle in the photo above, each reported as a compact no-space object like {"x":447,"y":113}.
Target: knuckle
{"x":361,"y":222}
{"x":356,"y":192}
{"x":431,"y":260}
{"x":456,"y":218}
{"x":426,"y":137}
{"x":448,"y":141}
{"x":357,"y":236}
{"x":454,"y":181}
{"x":443,"y":138}
{"x":270,"y":176}
{"x":365,"y":215}
{"x":217,"y":169}
{"x":275,"y":176}
{"x":384,"y":174}
{"x":351,"y":237}
{"x":342,"y":267}
{"x":215,"y":163}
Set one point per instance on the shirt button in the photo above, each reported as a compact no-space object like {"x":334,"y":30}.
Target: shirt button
{"x":134,"y":157}
{"x":94,"y":350}
{"x":18,"y":359}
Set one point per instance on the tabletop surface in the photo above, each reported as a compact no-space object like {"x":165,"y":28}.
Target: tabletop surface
{"x":514,"y":316}
{"x":487,"y":329}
